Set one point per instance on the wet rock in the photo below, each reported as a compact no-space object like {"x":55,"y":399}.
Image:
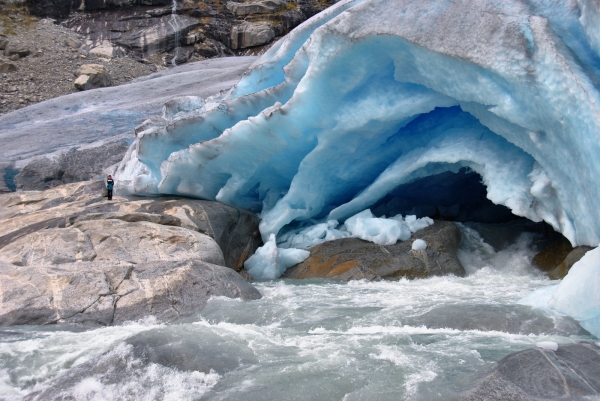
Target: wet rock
{"x":92,"y":76}
{"x":15,"y":48}
{"x":515,"y":319}
{"x":573,"y":370}
{"x":7,"y":67}
{"x":112,"y":293}
{"x":354,"y":259}
{"x":553,"y":254}
{"x":249,"y":34}
{"x":560,"y":271}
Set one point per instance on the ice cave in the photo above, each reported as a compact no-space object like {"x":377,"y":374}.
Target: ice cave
{"x":362,"y":108}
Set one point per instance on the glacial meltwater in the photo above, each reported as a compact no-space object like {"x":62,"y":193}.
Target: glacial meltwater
{"x":428,"y":339}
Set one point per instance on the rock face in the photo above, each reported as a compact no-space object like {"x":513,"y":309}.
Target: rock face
{"x":110,"y":293}
{"x":534,"y":374}
{"x":92,"y":76}
{"x":560,"y":271}
{"x":67,"y":255}
{"x":355,"y":259}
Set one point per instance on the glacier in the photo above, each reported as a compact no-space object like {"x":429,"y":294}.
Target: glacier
{"x":370,"y":96}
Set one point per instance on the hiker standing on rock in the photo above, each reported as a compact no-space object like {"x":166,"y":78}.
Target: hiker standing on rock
{"x":109,"y":186}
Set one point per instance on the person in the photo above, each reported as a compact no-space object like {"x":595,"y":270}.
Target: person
{"x":109,"y":186}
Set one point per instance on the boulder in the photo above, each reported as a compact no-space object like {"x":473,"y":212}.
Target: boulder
{"x":249,"y":34}
{"x":111,"y":293}
{"x":72,"y":43}
{"x":560,"y":271}
{"x":15,"y":48}
{"x":137,"y":229}
{"x":553,"y":254}
{"x":573,"y":370}
{"x":255,"y":7}
{"x":354,"y":259}
{"x":7,"y":67}
{"x":92,"y":76}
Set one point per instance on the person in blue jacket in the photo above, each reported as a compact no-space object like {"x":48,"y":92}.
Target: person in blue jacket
{"x":109,"y":185}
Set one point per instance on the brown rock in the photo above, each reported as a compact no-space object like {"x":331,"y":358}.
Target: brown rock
{"x":560,"y":271}
{"x":551,"y":256}
{"x":355,"y":259}
{"x":92,"y":76}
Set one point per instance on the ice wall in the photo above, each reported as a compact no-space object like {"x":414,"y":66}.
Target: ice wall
{"x":373,"y":94}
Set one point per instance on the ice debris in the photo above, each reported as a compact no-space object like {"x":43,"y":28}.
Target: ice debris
{"x":269,"y":262}
{"x":549,"y":345}
{"x":419,"y":245}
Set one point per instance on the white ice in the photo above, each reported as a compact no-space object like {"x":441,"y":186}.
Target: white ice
{"x":270,"y":262}
{"x":419,"y":245}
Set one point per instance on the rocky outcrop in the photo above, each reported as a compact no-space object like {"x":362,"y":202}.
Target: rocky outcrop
{"x":67,"y":255}
{"x":354,"y":259}
{"x":111,"y":293}
{"x":560,"y":271}
{"x":145,"y":225}
{"x":573,"y":370}
{"x":92,"y":76}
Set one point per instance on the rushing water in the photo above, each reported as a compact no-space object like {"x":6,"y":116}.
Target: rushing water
{"x":429,"y":339}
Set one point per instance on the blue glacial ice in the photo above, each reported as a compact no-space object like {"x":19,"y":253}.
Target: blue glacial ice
{"x":371,"y":95}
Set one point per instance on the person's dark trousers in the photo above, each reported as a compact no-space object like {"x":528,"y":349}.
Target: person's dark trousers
{"x":110,"y":194}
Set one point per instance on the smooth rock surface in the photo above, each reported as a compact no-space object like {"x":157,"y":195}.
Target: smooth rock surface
{"x":560,"y":271}
{"x":74,"y":223}
{"x":540,"y":374}
{"x":249,"y":34}
{"x":112,"y":293}
{"x":355,"y":259}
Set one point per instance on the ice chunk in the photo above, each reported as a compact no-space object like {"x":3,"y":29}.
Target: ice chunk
{"x":578,"y":295}
{"x":549,"y":345}
{"x":270,"y":262}
{"x":365,"y":225}
{"x":419,"y":245}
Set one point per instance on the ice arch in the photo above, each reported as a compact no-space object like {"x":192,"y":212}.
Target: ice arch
{"x":372,"y":94}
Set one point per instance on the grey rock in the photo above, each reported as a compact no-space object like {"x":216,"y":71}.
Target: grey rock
{"x":539,"y":374}
{"x":112,"y":293}
{"x":255,"y":7}
{"x":7,"y":67}
{"x":92,"y":76}
{"x":137,"y":230}
{"x":72,"y":43}
{"x":355,"y":259}
{"x":249,"y":34}
{"x":15,"y":48}
{"x":3,"y":43}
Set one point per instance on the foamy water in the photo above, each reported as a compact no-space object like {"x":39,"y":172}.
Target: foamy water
{"x":429,"y":339}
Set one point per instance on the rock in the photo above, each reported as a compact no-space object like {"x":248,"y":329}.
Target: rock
{"x":573,"y":370}
{"x":72,"y":43}
{"x":15,"y":48}
{"x":249,"y":34}
{"x":255,"y":7}
{"x":92,"y":76}
{"x":353,"y":259}
{"x":209,"y":48}
{"x":76,"y":165}
{"x":553,"y":254}
{"x":126,"y":229}
{"x":560,"y":271}
{"x":104,"y":50}
{"x":14,"y":57}
{"x":112,"y":293}
{"x":7,"y":67}
{"x":3,"y":43}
